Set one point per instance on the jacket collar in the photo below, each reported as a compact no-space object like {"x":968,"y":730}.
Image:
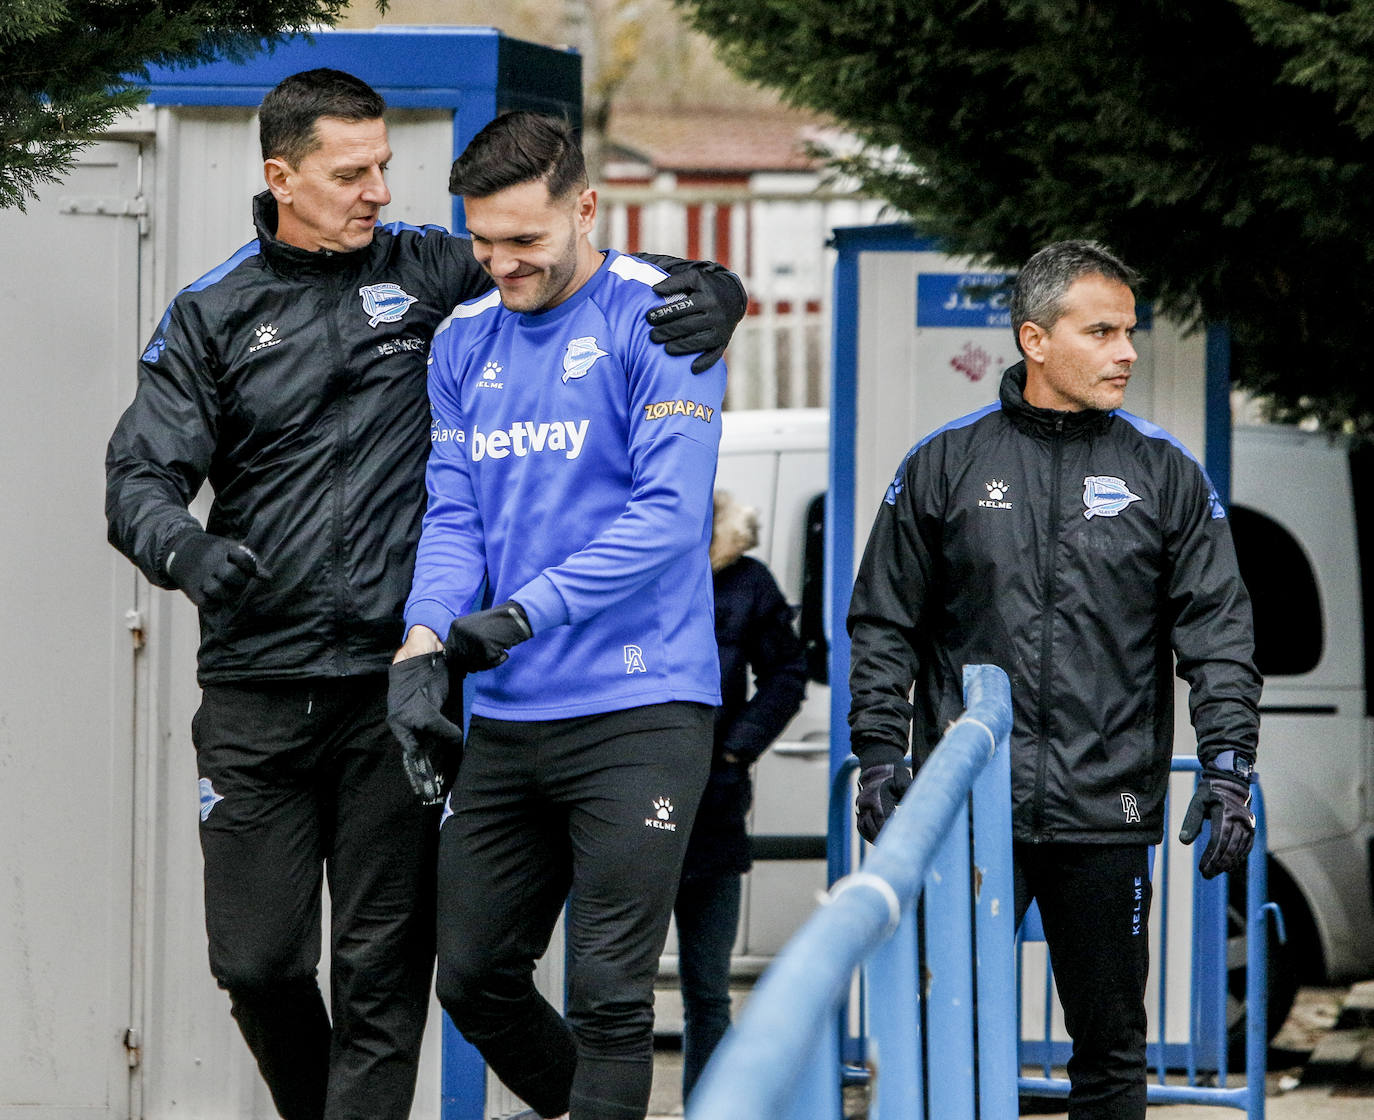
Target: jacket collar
{"x":288,"y":259}
{"x":1045,"y":422}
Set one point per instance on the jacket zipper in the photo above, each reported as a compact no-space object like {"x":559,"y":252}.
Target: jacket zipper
{"x":341,"y":596}
{"x":1047,"y":631}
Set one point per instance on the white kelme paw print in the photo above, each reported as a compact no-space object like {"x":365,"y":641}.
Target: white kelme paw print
{"x":491,"y":371}
{"x":663,"y":808}
{"x":997,"y":490}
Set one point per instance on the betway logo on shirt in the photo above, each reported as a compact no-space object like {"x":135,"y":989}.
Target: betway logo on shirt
{"x":525,"y":437}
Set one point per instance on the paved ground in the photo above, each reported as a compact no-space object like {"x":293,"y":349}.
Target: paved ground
{"x":1321,"y":1066}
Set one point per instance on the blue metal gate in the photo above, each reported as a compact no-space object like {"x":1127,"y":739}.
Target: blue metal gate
{"x":928,"y":919}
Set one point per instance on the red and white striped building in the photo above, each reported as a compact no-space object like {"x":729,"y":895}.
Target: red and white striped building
{"x":740,"y":188}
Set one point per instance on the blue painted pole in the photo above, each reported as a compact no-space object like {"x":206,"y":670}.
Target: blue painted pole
{"x":463,"y":1084}
{"x":894,"y":1015}
{"x":949,"y":978}
{"x":1257,"y":911}
{"x":994,"y":934}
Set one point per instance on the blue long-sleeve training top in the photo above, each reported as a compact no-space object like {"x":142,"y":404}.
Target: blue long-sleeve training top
{"x":571,"y":467}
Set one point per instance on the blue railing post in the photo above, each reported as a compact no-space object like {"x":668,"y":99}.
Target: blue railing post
{"x":1258,"y":910}
{"x":894,"y":1017}
{"x":949,"y":981}
{"x":994,"y":928}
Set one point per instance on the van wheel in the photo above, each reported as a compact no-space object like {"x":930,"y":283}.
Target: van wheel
{"x":1283,"y":967}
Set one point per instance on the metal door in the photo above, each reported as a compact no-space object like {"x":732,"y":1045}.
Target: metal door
{"x":69,"y":284}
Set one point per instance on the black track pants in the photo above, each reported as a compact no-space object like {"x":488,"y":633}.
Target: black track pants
{"x":595,"y":810}
{"x":1094,"y":903}
{"x":299,"y":780}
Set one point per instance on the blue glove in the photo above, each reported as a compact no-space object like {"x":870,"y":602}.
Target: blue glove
{"x":1225,"y":800}
{"x":431,"y":744}
{"x":705,"y":304}
{"x":880,"y":788}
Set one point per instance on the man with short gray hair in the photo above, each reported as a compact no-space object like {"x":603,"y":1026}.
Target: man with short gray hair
{"x":1081,"y":549}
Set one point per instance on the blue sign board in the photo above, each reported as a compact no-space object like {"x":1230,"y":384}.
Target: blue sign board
{"x":963,"y":299}
{"x":978,"y":299}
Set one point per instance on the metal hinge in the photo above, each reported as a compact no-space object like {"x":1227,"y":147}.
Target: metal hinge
{"x":133,"y":1043}
{"x":109,"y":206}
{"x":134,"y":621}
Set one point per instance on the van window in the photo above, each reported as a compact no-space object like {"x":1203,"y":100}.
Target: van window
{"x":812,"y":624}
{"x":1362,"y":487}
{"x":1283,"y":594}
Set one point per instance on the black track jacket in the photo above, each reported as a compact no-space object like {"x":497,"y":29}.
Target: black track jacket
{"x":294,"y":382}
{"x":1079,"y":552}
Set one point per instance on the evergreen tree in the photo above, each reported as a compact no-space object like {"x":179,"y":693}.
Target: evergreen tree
{"x":66,"y":66}
{"x":1224,"y":147}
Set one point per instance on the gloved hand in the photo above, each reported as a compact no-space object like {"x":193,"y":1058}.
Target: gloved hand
{"x":431,"y":744}
{"x":880,"y":788}
{"x":480,"y":640}
{"x":213,"y":570}
{"x":1225,"y":799}
{"x":705,"y":304}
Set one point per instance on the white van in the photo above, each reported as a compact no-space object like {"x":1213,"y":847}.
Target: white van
{"x":1302,"y":508}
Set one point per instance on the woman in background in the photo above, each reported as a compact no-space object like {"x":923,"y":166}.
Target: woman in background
{"x":754,"y":633}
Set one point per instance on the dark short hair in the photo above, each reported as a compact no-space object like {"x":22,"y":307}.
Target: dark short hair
{"x":1038,"y":296}
{"x":520,"y":147}
{"x":286,"y":120}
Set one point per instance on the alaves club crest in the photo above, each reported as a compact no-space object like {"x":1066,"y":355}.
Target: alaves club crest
{"x":385,"y":303}
{"x":581,"y":356}
{"x":208,"y":798}
{"x":1105,"y":496}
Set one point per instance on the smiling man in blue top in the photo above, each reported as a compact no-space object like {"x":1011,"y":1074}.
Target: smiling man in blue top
{"x":570,"y":481}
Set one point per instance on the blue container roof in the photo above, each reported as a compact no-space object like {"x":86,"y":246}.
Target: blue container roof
{"x":412,"y":67}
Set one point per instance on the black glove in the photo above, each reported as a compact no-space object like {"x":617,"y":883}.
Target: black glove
{"x":1225,"y":799}
{"x":880,"y":788}
{"x":479,"y":640}
{"x":431,"y":744}
{"x":705,"y":304}
{"x":213,"y":570}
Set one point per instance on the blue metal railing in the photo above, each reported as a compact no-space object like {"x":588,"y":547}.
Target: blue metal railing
{"x":949,"y":1001}
{"x":782,"y":1058}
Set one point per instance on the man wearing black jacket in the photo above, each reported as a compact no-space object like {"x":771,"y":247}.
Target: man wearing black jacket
{"x":292,"y":378}
{"x":1081,"y":549}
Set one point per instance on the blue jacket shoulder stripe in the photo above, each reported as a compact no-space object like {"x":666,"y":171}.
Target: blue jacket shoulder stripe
{"x":1154,"y":431}
{"x":962,"y":422}
{"x":954,"y":425}
{"x":220,"y":271}
{"x":400,"y":227}
{"x":214,"y":276}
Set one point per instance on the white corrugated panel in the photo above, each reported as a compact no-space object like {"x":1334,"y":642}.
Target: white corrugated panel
{"x":70,"y":286}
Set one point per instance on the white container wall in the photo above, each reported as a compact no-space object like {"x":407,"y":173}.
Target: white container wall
{"x":71,"y":283}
